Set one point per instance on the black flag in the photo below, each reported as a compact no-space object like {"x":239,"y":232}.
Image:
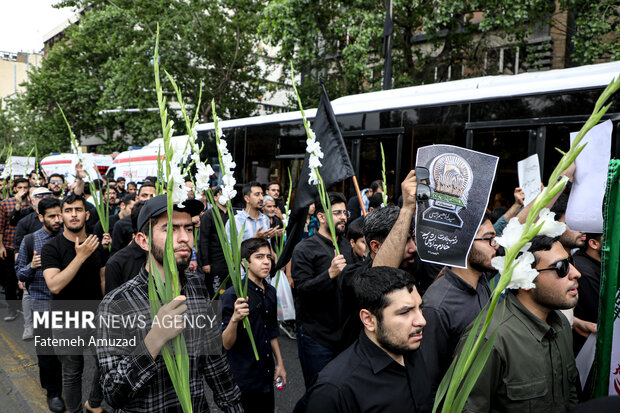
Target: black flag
{"x":336,"y":168}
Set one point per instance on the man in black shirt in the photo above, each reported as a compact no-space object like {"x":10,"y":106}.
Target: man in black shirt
{"x":73,"y":267}
{"x":31,"y":223}
{"x":209,"y":248}
{"x":588,"y":263}
{"x":382,"y":371}
{"x":120,"y":187}
{"x":379,"y":225}
{"x":315,"y":269}
{"x":454,"y":300}
{"x":126,"y":263}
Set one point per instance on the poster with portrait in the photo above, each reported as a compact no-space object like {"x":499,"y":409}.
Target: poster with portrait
{"x":457,"y":186}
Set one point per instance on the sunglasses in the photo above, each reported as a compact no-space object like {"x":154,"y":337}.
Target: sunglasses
{"x":423,"y":191}
{"x":561,"y":267}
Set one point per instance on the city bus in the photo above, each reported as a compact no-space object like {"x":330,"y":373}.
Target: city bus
{"x":508,"y":116}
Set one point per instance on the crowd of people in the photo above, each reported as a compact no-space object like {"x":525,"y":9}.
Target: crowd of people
{"x":376,"y":328}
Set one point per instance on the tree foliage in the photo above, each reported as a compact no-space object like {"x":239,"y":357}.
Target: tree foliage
{"x":105,"y":62}
{"x":432,"y":40}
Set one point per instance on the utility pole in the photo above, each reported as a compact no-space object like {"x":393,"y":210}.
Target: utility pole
{"x":388,"y":29}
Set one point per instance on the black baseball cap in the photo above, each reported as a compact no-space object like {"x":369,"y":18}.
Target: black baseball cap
{"x":159,"y":204}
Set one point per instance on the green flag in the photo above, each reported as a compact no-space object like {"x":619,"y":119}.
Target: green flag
{"x":607,"y":362}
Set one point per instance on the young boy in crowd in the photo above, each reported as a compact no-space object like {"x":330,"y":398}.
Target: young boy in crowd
{"x":254,"y":378}
{"x":355,"y":234}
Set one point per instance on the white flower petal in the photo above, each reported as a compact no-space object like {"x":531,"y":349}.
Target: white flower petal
{"x":314,"y":162}
{"x":551,"y":227}
{"x":311,"y":134}
{"x":180,"y":194}
{"x":512,"y":233}
{"x":523,"y":275}
{"x":498,"y":263}
{"x":313,"y":179}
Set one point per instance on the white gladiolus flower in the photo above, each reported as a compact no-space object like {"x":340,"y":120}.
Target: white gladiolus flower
{"x":203,"y":174}
{"x":227,"y":194}
{"x":228,"y":180}
{"x":314,"y":162}
{"x":512,"y":233}
{"x":313,"y":179}
{"x":523,"y":275}
{"x":311,"y":135}
{"x":314,"y":148}
{"x":228,"y":166}
{"x":551,"y":227}
{"x":5,"y":173}
{"x":179,"y":189}
{"x":179,"y":195}
{"x":285,"y":218}
{"x":195,"y":157}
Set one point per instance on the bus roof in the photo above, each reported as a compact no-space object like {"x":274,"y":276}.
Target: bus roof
{"x":465,"y":90}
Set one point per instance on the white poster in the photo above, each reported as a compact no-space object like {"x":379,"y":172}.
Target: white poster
{"x":529,"y":177}
{"x":584,"y":212}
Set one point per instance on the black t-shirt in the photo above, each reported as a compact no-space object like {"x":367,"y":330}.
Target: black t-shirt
{"x":86,"y":284}
{"x":123,"y":266}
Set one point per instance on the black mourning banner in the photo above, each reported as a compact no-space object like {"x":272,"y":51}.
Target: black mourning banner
{"x":447,"y":221}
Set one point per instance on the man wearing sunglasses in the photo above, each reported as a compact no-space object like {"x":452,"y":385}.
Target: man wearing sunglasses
{"x":454,"y":300}
{"x":56,"y":184}
{"x":531,"y":367}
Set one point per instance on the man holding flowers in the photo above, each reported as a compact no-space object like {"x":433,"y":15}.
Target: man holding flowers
{"x":137,"y":380}
{"x":531,"y":367}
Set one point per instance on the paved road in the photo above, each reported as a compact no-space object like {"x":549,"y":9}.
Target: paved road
{"x":20,"y":390}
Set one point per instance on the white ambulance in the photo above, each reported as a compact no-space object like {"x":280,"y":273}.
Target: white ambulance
{"x":135,"y":165}
{"x":64,"y":164}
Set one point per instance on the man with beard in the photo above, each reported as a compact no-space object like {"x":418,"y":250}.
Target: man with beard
{"x":569,"y":239}
{"x":454,"y":300}
{"x":136,"y":379}
{"x":31,"y":222}
{"x":73,"y":266}
{"x":270,"y":209}
{"x":256,"y":223}
{"x":588,"y":263}
{"x":382,"y":371}
{"x":28,"y":267}
{"x":401,"y":237}
{"x":531,"y":367}
{"x":315,"y":270}
{"x":210,"y":250}
{"x":56,"y":184}
{"x":275,"y":191}
{"x":7,"y":243}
